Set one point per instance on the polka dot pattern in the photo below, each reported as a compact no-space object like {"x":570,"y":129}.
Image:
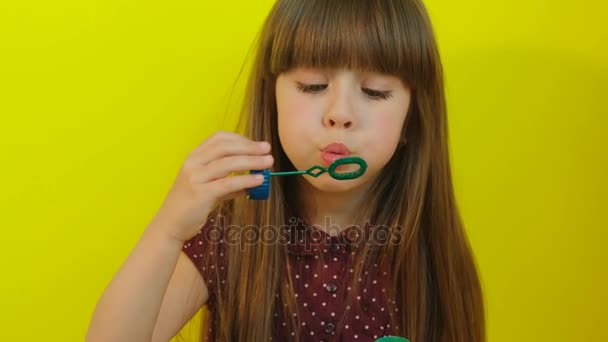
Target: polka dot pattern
{"x":323,"y":271}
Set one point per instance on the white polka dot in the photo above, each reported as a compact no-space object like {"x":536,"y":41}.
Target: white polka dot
{"x":297,"y":276}
{"x":306,"y":266}
{"x":314,"y":294}
{"x":356,"y":336}
{"x":358,"y":297}
{"x":316,"y":275}
{"x":366,"y":327}
{"x":351,"y":270}
{"x":324,"y":266}
{"x":381,"y":309}
{"x":357,"y":317}
{"x":312,"y":332}
{"x":335,"y":276}
{"x":284,"y":324}
{"x":346,"y":327}
{"x":323,"y":303}
{"x":314,"y":313}
{"x":335,"y":259}
{"x":373,"y":299}
{"x":303,"y":324}
{"x":305,"y":304}
{"x":306,"y":285}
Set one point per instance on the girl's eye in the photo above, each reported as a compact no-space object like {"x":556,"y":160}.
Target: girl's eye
{"x":377,"y":95}
{"x":373,"y":94}
{"x":312,"y":88}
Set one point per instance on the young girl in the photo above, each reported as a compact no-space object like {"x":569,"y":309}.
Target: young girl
{"x":322,"y":259}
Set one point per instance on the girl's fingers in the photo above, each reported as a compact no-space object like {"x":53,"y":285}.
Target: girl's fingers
{"x":223,"y":167}
{"x":234,"y":186}
{"x":227,"y":145}
{"x":235,"y":194}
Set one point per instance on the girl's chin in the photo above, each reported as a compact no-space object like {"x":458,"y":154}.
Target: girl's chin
{"x":328,"y":184}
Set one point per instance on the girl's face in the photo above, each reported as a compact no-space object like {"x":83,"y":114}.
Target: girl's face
{"x":363,"y":111}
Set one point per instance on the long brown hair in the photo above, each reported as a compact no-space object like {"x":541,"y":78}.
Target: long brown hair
{"x":432,"y":268}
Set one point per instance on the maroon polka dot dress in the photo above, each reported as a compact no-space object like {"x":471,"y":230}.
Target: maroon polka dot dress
{"x":323,"y":276}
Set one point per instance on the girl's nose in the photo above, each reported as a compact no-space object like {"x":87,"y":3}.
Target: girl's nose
{"x":338,"y":121}
{"x":340,"y":113}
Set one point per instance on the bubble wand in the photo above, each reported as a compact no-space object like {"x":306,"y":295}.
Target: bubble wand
{"x":261,"y":192}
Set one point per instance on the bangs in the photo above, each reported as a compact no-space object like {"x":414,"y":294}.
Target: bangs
{"x":363,"y":35}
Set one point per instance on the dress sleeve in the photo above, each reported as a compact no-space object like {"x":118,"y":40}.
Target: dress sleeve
{"x":206,"y":251}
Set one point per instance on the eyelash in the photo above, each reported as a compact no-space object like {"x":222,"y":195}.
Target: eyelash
{"x":376,"y":95}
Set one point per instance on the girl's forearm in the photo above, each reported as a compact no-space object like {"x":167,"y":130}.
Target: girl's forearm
{"x":129,"y":306}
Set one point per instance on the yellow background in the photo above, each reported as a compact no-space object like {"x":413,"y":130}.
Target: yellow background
{"x":100,"y":102}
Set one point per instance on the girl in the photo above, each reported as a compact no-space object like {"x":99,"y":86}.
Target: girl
{"x":322,"y":259}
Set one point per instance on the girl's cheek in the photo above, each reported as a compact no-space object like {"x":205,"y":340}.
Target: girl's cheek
{"x":387,"y":133}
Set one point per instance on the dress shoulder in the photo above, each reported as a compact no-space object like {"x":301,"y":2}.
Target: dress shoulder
{"x":206,"y":251}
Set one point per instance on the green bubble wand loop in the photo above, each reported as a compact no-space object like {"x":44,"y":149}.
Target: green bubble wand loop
{"x":262,"y":192}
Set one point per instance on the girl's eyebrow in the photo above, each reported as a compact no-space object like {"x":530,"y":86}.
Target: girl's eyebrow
{"x":311,"y":70}
{"x":387,"y":80}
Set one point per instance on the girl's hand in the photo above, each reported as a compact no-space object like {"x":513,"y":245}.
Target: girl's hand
{"x":204,"y":181}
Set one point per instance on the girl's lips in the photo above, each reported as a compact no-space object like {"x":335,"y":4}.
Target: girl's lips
{"x":329,"y":157}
